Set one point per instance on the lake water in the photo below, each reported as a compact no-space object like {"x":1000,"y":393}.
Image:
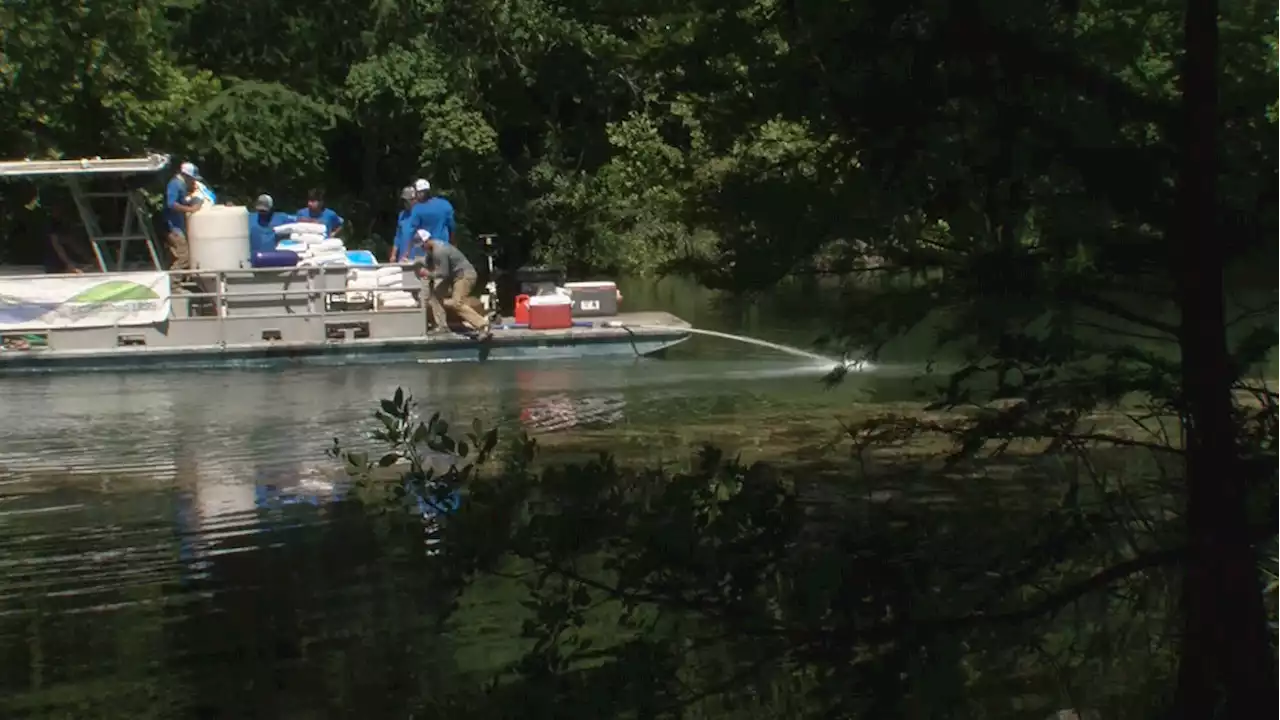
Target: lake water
{"x":176,"y":544}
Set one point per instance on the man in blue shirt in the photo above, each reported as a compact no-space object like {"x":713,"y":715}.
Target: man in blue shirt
{"x":262,"y":225}
{"x":315,"y":211}
{"x":403,"y":248}
{"x":432,"y":213}
{"x":178,"y":204}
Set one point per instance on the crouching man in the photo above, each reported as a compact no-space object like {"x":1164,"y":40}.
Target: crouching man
{"x":454,"y":276}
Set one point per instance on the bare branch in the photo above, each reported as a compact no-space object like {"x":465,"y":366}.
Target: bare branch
{"x":1247,"y":313}
{"x":1111,"y":308}
{"x":1125,"y":333}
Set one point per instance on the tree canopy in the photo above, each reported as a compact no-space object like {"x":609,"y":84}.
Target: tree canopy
{"x":747,"y":136}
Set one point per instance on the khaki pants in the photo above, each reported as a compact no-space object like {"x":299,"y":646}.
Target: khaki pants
{"x":452,"y":295}
{"x":179,"y":254}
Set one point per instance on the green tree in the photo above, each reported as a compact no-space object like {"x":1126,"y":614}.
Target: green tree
{"x":1057,"y":193}
{"x":1027,"y":170}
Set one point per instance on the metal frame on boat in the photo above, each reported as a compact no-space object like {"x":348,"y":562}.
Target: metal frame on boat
{"x":250,"y":317}
{"x":111,"y":250}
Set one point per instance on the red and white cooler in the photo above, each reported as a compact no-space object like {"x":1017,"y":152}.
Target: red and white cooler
{"x":550,"y":312}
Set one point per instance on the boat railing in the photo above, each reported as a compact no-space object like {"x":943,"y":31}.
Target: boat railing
{"x":250,"y":304}
{"x":324,"y":286}
{"x":317,"y":280}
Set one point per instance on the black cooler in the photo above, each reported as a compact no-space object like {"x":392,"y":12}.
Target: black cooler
{"x":531,"y":281}
{"x":536,"y":281}
{"x":593,"y":299}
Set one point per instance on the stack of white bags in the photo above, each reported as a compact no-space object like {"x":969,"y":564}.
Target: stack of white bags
{"x":361,"y":282}
{"x":312,"y":243}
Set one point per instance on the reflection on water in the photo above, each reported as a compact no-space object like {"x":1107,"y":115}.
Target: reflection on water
{"x":176,"y":545}
{"x":547,"y":406}
{"x":263,"y":427}
{"x":564,"y":412}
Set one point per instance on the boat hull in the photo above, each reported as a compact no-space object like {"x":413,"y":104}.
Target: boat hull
{"x":505,"y":344}
{"x":269,"y":317}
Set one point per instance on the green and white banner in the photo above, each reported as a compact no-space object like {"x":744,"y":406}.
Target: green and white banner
{"x":83,"y":301}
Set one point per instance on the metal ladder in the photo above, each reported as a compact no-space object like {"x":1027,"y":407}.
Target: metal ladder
{"x":110,"y":249}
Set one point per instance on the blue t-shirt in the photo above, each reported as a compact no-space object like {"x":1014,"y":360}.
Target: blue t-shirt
{"x":404,"y":234}
{"x":436,"y":217}
{"x":175,"y":194}
{"x":331,"y":219}
{"x":262,"y":236}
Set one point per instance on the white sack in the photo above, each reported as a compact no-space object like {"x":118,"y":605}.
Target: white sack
{"x":302,"y":228}
{"x":399,"y":304}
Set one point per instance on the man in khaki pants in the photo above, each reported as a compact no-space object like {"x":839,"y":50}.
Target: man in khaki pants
{"x":453,"y":277}
{"x":178,"y":204}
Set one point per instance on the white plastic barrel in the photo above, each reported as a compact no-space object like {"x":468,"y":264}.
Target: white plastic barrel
{"x":219,"y":237}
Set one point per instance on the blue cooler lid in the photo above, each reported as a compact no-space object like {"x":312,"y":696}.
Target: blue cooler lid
{"x":361,"y":257}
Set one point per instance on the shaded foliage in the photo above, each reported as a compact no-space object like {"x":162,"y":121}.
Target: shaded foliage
{"x":751,"y":589}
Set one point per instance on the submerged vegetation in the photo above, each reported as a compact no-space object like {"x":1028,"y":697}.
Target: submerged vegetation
{"x":1059,"y":190}
{"x":941,"y":567}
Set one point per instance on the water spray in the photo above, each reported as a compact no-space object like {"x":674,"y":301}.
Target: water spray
{"x":841,"y":366}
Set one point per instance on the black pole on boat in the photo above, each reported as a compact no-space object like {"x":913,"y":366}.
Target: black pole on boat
{"x":490,"y":297}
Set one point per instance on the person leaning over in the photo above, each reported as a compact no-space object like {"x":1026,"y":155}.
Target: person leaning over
{"x":455,"y":276}
{"x":263,"y":223}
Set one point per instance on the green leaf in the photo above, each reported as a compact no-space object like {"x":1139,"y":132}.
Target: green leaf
{"x":420,"y":434}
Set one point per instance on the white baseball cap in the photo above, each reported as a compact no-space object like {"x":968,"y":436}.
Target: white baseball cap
{"x":422,"y":236}
{"x":190,"y":170}
{"x":421,"y":185}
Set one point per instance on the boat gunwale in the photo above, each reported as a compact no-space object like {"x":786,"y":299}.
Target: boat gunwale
{"x":389,"y":350}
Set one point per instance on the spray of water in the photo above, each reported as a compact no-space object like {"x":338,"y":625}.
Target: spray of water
{"x":828,"y":364}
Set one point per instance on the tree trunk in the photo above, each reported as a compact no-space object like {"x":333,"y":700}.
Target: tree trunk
{"x":1226,"y":666}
